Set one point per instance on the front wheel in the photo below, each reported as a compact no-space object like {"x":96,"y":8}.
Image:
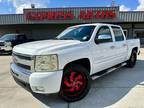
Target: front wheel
{"x":75,"y":83}
{"x":132,"y":61}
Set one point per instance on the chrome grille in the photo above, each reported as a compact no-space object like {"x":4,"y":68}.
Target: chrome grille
{"x":23,"y":61}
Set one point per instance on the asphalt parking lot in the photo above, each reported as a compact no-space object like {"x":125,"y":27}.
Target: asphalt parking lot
{"x":123,"y":88}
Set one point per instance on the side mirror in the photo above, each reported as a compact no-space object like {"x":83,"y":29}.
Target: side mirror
{"x":103,"y":39}
{"x":85,"y":38}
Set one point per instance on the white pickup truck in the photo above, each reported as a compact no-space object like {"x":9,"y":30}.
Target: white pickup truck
{"x":66,"y":64}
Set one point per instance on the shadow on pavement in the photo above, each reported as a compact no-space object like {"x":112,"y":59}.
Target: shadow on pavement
{"x":112,"y":87}
{"x":104,"y":91}
{"x":52,"y":101}
{"x":5,"y":54}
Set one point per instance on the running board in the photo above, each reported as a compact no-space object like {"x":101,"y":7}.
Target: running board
{"x":102,"y":73}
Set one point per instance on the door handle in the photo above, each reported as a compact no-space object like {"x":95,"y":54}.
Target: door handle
{"x":112,"y":47}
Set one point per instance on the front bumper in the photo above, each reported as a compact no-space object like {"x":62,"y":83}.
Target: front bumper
{"x":44,"y":83}
{"x":4,"y":48}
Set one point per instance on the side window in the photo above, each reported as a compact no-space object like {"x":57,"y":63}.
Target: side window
{"x":12,"y":37}
{"x":125,"y":32}
{"x":21,"y":37}
{"x":103,"y":35}
{"x":118,"y":34}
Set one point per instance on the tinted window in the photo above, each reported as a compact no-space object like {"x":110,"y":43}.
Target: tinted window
{"x":125,"y":32}
{"x":82,"y":33}
{"x":21,"y":37}
{"x":104,"y":30}
{"x":118,"y":34}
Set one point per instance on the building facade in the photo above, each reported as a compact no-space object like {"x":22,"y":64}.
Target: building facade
{"x":46,"y":23}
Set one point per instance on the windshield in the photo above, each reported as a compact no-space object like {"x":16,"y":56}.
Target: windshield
{"x":81,"y":33}
{"x":8,"y":37}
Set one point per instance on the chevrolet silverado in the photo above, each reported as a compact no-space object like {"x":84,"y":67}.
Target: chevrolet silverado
{"x":67,"y":64}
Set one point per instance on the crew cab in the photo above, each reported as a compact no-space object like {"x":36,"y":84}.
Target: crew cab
{"x":8,"y":41}
{"x":66,"y":64}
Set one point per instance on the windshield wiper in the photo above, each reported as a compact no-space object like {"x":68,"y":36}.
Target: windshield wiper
{"x":67,"y":38}
{"x":55,"y":38}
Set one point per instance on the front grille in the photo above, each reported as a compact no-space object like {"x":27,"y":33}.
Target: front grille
{"x":1,"y":43}
{"x":25,"y":57}
{"x":23,"y":61}
{"x":23,"y":66}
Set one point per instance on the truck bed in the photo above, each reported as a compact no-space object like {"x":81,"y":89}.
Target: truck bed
{"x":132,"y":43}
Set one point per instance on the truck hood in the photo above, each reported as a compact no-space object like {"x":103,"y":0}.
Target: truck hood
{"x":44,"y":47}
{"x":2,"y":40}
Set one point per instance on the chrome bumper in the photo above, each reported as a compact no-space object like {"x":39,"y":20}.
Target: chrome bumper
{"x":20,"y":73}
{"x":44,"y":83}
{"x":4,"y":48}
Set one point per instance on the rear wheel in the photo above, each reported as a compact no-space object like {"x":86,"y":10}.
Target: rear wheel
{"x":75,"y":83}
{"x":132,"y":61}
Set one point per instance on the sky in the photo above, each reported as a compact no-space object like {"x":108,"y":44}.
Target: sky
{"x":16,"y":6}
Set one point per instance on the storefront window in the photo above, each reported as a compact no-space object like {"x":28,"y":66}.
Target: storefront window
{"x":140,"y":35}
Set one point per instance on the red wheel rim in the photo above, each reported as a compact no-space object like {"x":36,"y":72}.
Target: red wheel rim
{"x":74,"y":83}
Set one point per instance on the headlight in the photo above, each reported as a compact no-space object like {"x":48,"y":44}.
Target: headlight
{"x":46,"y":63}
{"x":7,"y":44}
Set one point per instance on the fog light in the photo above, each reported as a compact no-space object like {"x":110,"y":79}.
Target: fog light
{"x":36,"y":88}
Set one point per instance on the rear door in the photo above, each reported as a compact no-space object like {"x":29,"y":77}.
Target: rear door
{"x":22,"y":39}
{"x":104,"y":51}
{"x":120,"y":44}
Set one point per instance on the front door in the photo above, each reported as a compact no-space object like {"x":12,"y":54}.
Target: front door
{"x":104,"y":50}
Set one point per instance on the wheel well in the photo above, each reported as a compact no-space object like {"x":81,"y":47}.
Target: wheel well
{"x":84,"y":62}
{"x":135,"y":49}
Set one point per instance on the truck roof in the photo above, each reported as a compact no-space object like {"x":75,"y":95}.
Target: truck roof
{"x":95,"y":24}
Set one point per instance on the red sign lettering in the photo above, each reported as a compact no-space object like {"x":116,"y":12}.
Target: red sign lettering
{"x":60,"y":15}
{"x":99,"y":14}
{"x":69,"y":15}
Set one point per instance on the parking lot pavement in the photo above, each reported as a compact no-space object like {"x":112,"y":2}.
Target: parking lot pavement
{"x":123,"y":88}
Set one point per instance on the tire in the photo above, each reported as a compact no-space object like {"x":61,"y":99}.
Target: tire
{"x":75,"y":83}
{"x":132,"y":61}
